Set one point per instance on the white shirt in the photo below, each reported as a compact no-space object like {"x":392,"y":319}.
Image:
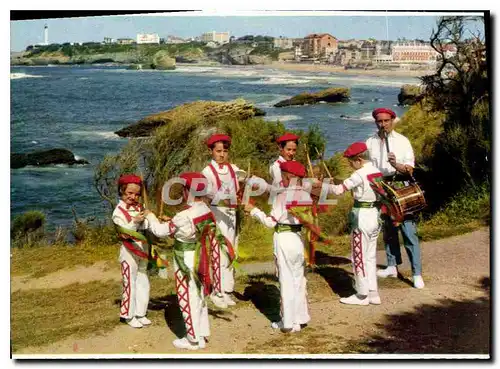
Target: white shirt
{"x":181,"y":226}
{"x":398,"y":144}
{"x":227,"y":183}
{"x":120,"y":219}
{"x":275,"y":171}
{"x":359,"y":183}
{"x":279,"y":212}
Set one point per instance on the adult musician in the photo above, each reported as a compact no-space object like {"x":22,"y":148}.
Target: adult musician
{"x":392,"y":154}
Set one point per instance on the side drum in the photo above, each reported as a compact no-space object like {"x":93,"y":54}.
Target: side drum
{"x":406,"y":200}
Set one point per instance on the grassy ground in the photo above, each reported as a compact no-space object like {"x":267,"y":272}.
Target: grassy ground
{"x":43,"y":316}
{"x":38,"y":261}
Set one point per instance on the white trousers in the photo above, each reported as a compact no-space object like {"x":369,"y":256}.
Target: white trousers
{"x":289,"y":257}
{"x":135,"y":284}
{"x":193,"y":308}
{"x":364,"y":249}
{"x":226,"y":222}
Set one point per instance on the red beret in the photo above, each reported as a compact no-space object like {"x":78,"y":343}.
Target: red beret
{"x":355,"y":149}
{"x":218,"y":137}
{"x":383,"y":110}
{"x":287,"y":137}
{"x":201,"y":180}
{"x":129,"y":178}
{"x":293,"y":167}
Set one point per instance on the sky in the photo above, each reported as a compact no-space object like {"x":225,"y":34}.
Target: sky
{"x":86,"y":29}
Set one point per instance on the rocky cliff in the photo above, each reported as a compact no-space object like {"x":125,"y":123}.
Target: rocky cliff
{"x":206,"y":110}
{"x":148,"y":56}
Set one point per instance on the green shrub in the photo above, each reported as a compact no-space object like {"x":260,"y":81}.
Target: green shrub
{"x":27,"y":229}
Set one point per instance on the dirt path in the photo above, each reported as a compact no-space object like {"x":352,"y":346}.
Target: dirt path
{"x":450,"y":315}
{"x":97,"y":272}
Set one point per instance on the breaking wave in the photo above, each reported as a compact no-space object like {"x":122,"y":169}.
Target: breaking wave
{"x":276,"y":81}
{"x":23,"y":75}
{"x":108,"y":135}
{"x":282,"y":118}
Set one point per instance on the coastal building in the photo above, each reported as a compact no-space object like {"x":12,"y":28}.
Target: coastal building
{"x":347,"y":56}
{"x":218,"y":37}
{"x":382,"y":59}
{"x":174,"y":40}
{"x":351,"y":43}
{"x":368,"y":50}
{"x":283,"y":43}
{"x":298,"y":52}
{"x":413,"y":52}
{"x":148,"y":38}
{"x":383,"y":47}
{"x":319,"y":45}
{"x":125,"y":41}
{"x":109,"y":40}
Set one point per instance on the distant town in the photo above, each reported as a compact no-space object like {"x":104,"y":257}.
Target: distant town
{"x":316,"y":48}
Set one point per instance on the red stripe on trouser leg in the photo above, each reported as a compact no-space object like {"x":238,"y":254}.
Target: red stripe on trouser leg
{"x":357,"y":253}
{"x":182,"y":287}
{"x":125,"y":303}
{"x":215,"y":256}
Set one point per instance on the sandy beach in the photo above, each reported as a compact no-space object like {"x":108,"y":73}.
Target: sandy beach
{"x":305,"y":67}
{"x":337,"y":69}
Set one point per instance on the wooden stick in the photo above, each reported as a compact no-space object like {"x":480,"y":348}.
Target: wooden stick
{"x":324,"y":165}
{"x":311,"y":171}
{"x":160,"y":212}
{"x":144,"y":193}
{"x":248,"y":171}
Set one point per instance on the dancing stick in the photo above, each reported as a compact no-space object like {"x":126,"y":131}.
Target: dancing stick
{"x":144,"y":192}
{"x":248,"y":171}
{"x":311,"y":172}
{"x":160,"y":213}
{"x":323,"y":162}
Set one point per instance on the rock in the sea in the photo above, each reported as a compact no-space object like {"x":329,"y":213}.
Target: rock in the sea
{"x":409,"y":95}
{"x":208,"y":110}
{"x":45,"y":157}
{"x":330,"y":95}
{"x":163,"y":61}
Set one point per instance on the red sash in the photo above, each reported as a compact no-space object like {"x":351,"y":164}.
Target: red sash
{"x":218,"y":181}
{"x":126,"y":241}
{"x":126,"y":213}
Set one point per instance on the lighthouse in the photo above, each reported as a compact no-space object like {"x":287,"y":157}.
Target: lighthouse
{"x":46,"y":35}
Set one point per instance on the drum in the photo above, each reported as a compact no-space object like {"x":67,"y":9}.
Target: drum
{"x":406,"y":200}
